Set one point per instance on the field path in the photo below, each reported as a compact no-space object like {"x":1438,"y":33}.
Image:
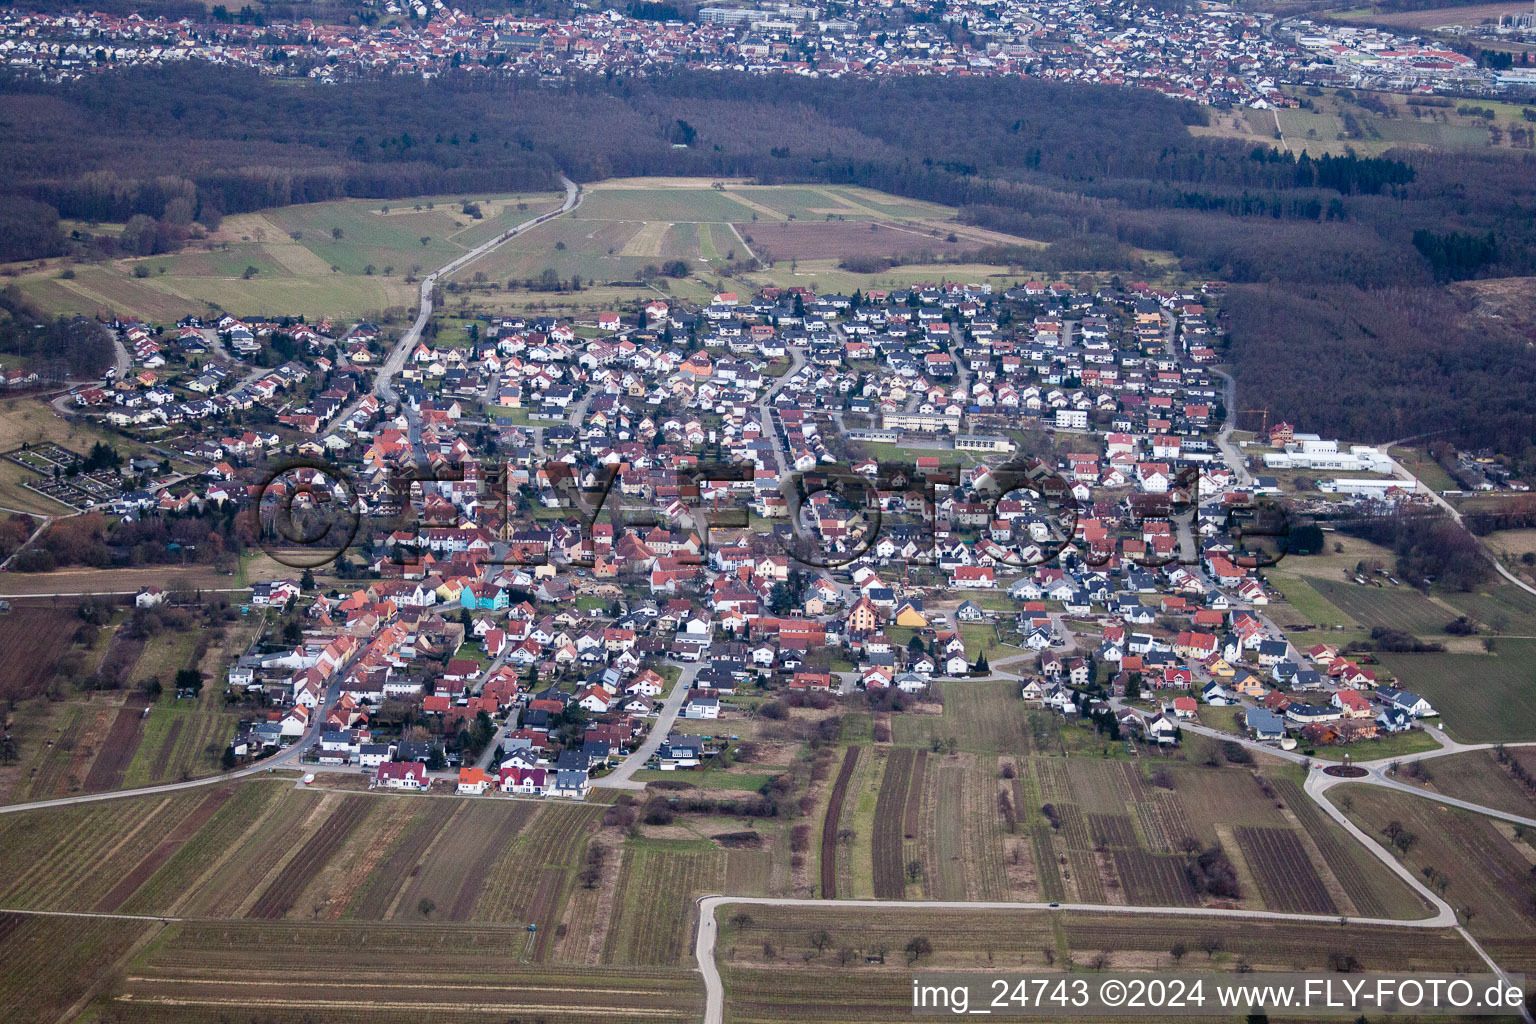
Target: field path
{"x":752,"y":204}
{"x":743,"y":239}
{"x":647,"y":241}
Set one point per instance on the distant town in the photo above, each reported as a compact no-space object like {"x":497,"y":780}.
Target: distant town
{"x":1210,"y":53}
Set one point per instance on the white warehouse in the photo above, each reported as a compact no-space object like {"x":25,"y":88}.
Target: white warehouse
{"x":1308,"y":451}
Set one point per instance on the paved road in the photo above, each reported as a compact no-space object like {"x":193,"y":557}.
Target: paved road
{"x":1403,"y":473}
{"x":622,"y":776}
{"x":1224,"y":436}
{"x":395,"y":361}
{"x":484,"y":761}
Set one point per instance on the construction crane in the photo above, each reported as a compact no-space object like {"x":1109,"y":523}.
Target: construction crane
{"x":1264,"y":423}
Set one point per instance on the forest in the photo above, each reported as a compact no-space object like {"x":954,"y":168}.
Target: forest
{"x":58,"y":349}
{"x":1383,"y":364}
{"x":1332,"y":245}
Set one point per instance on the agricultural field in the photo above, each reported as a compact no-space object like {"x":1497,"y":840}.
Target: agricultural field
{"x":1400,"y":607}
{"x":183,"y":738}
{"x":1435,"y":17}
{"x":343,"y":258}
{"x":624,"y":226}
{"x":355,"y":972}
{"x":1479,"y":777}
{"x":962,"y":840}
{"x":90,"y":857}
{"x":34,"y":635}
{"x":1337,"y":124}
{"x":897,"y":786}
{"x":1308,"y":603}
{"x":1482,"y":698}
{"x":98,"y":740}
{"x":1498,"y":608}
{"x":51,"y":964}
{"x":1478,"y":862}
{"x":653,"y":900}
{"x":1025,"y":826}
{"x":830,"y":823}
{"x":984,"y":716}
{"x":528,"y":882}
{"x":128,"y":580}
{"x":766,"y":988}
{"x":112,"y":289}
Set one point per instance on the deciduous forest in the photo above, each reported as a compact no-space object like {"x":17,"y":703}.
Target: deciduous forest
{"x":1344,"y":256}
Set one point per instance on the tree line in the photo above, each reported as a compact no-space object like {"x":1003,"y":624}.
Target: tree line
{"x":1344,"y":327}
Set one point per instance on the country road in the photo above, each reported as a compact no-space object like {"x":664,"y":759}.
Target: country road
{"x":408,"y":340}
{"x":1403,"y":473}
{"x":1224,"y":436}
{"x":395,"y":361}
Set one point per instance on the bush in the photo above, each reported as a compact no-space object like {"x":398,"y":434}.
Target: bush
{"x":1211,"y":871}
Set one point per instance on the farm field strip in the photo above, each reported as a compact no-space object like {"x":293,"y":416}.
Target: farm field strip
{"x":1399,"y":607}
{"x":48,"y":768}
{"x":524,"y":884}
{"x":1047,"y":872}
{"x":454,"y":867}
{"x":198,"y":857}
{"x":890,"y":811}
{"x":1176,"y":824}
{"x":116,"y":752}
{"x":90,"y":852}
{"x":651,"y":926}
{"x":152,"y":862}
{"x":373,"y":898}
{"x":207,"y":964}
{"x":1152,"y":827}
{"x":944,"y":873}
{"x":1340,"y":857}
{"x":987,"y":877}
{"x":1269,"y":945}
{"x":1112,"y":830}
{"x":279,"y":896}
{"x":1152,"y":880}
{"x":1085,"y":872}
{"x":1283,"y":872}
{"x":829,"y":824}
{"x":912,"y":816}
